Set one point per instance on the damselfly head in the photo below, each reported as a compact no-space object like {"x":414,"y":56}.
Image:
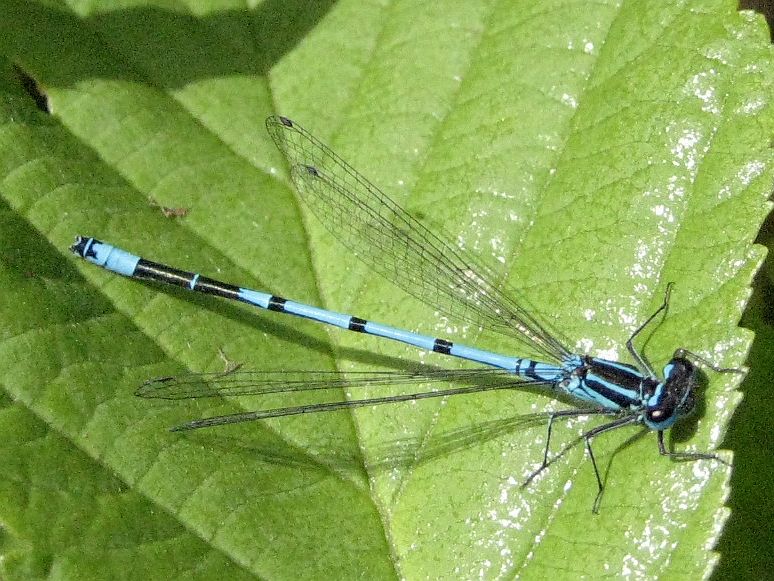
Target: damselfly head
{"x":674,"y":397}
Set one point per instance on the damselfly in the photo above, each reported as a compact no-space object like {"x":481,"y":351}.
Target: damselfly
{"x":393,"y":243}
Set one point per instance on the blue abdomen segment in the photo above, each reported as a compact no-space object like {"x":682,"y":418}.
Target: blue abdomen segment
{"x":282,"y":305}
{"x":256,"y":298}
{"x":106,"y":255}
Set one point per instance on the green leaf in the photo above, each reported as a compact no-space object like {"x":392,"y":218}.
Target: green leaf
{"x":593,"y":153}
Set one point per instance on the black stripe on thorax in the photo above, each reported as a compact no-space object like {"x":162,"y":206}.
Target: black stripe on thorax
{"x":599,"y":377}
{"x":620,"y":399}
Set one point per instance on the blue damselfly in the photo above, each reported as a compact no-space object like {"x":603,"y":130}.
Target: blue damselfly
{"x":392,"y":242}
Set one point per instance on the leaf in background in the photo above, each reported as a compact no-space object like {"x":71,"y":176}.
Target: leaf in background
{"x":594,"y":152}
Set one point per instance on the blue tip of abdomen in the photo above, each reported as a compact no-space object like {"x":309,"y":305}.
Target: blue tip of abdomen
{"x":105,"y":255}
{"x":82,"y":245}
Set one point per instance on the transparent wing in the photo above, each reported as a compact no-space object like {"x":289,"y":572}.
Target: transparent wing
{"x":258,"y":383}
{"x":400,"y":248}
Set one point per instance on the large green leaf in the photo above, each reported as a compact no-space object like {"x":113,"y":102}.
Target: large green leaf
{"x":594,"y":152}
